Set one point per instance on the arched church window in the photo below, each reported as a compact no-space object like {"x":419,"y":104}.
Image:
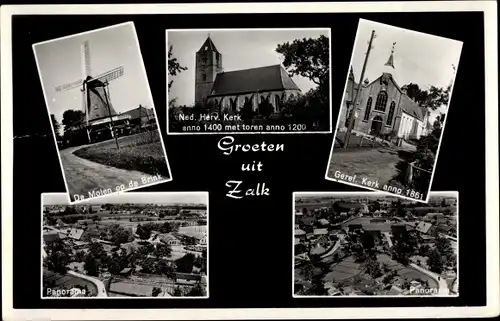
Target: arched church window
{"x":204,"y":77}
{"x":368,"y":109}
{"x":277,"y":102}
{"x":381,"y":101}
{"x":233,"y":102}
{"x":391,"y":114}
{"x":205,"y":59}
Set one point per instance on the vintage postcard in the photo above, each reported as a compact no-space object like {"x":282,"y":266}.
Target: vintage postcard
{"x":248,"y":81}
{"x":373,"y":244}
{"x":394,"y":109}
{"x":128,"y":245}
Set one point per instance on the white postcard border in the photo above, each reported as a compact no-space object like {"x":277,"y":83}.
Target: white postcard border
{"x":368,"y":194}
{"x":442,"y":130}
{"x":286,"y":132}
{"x":206,"y":296}
{"x":170,"y":178}
{"x":489,"y":9}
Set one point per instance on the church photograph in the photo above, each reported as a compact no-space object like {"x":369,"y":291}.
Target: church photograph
{"x":101,"y":111}
{"x":396,"y":100}
{"x":248,"y":80}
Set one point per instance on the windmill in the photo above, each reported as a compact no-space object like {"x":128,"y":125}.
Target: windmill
{"x":96,"y":103}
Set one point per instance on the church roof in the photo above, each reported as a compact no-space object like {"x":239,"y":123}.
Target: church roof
{"x":267,"y":78}
{"x":411,"y":108}
{"x":208,"y":45}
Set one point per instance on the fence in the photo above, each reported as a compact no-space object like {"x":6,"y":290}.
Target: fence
{"x":418,"y":177}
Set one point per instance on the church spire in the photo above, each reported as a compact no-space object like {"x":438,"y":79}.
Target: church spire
{"x":208,"y":45}
{"x":390,"y":61}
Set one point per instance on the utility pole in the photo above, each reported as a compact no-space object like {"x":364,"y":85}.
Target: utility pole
{"x":105,"y":86}
{"x":355,"y":101}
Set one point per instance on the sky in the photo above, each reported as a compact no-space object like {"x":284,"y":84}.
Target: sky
{"x":419,"y":58}
{"x":59,"y":62}
{"x":135,"y":198}
{"x":240,"y":49}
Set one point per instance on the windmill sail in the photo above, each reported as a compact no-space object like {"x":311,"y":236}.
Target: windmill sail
{"x":86,"y":71}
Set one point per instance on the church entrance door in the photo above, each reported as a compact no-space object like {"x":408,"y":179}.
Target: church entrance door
{"x":376,"y":126}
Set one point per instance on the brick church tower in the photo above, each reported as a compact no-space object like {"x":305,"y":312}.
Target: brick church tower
{"x":208,"y":64}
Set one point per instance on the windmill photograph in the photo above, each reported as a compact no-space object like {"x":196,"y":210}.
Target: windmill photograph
{"x":101,"y":111}
{"x":394,"y":109}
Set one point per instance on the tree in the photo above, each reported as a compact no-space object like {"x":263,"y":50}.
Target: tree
{"x":433,"y":98}
{"x":114,"y":266}
{"x":174,"y":67}
{"x":414,"y":92}
{"x":309,"y":58}
{"x":144,"y":231}
{"x":318,"y":286}
{"x":177,"y":291}
{"x":58,"y":256}
{"x":435,"y":261}
{"x":156,"y":291}
{"x":185,"y":264}
{"x":368,"y":241}
{"x":196,"y":290}
{"x":148,"y":265}
{"x":72,"y":118}
{"x":163,"y":250}
{"x":373,"y":268}
{"x":91,"y":265}
{"x":56,"y":126}
{"x":119,"y":235}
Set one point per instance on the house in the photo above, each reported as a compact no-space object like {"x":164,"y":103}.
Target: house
{"x":78,"y":245}
{"x":443,"y":228}
{"x":423,"y":227}
{"x":320,"y":231}
{"x":300,"y":234}
{"x":170,"y":239}
{"x":131,"y":289}
{"x":426,"y":239}
{"x":434,"y":217}
{"x":187,"y":278}
{"x":126,"y":271}
{"x":331,"y":289}
{"x":84,"y":222}
{"x":300,"y":258}
{"x":53,"y":236}
{"x":129,"y":247}
{"x":308,"y":220}
{"x":323,"y":222}
{"x":75,"y":234}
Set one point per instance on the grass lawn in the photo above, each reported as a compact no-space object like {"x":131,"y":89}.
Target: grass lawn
{"x":343,"y":270}
{"x":406,"y":272}
{"x":141,"y":152}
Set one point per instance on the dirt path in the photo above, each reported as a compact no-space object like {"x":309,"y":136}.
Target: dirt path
{"x":374,"y":163}
{"x":84,"y":176}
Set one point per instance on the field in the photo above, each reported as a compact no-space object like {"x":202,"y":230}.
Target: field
{"x":343,"y":270}
{"x":141,"y":152}
{"x":406,"y":272}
